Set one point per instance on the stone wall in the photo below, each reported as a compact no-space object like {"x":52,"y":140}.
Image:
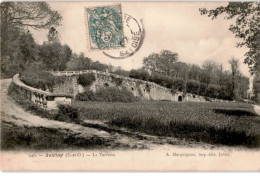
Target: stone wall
{"x":144,"y":89}
{"x":43,"y":99}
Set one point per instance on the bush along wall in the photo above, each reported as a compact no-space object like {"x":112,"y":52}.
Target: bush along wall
{"x":107,"y":94}
{"x":86,"y":79}
{"x":41,"y":79}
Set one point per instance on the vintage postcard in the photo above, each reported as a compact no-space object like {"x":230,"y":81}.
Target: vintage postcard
{"x":130,"y":86}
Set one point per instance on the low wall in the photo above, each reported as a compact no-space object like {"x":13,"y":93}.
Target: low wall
{"x":43,"y":99}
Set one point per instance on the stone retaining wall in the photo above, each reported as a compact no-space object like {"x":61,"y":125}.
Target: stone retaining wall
{"x":140,"y":88}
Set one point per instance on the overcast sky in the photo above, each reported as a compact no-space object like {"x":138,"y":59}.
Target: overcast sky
{"x":175,"y":26}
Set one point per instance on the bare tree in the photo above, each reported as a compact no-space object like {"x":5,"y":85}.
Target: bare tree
{"x":234,"y":64}
{"x":21,"y":15}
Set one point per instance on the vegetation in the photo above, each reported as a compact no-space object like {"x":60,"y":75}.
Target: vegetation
{"x":210,"y":80}
{"x":231,"y":124}
{"x":86,"y":79}
{"x":40,"y":138}
{"x":20,"y":51}
{"x":139,"y":74}
{"x":107,"y":94}
{"x":67,"y":113}
{"x":54,"y":55}
{"x":162,"y":62}
{"x":256,"y":87}
{"x":18,"y":48}
{"x":246,"y":27}
{"x":41,"y":79}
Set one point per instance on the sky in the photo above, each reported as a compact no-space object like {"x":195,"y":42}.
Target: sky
{"x":175,"y":26}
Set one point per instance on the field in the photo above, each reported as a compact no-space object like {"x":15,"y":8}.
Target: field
{"x":216,"y":123}
{"x":211,"y":122}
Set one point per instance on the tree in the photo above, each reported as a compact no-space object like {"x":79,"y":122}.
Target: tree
{"x":180,"y":70}
{"x":161,"y":63}
{"x":78,"y":62}
{"x":20,"y":15}
{"x":193,"y":86}
{"x":213,"y":91}
{"x":18,"y":48}
{"x":194,"y":72}
{"x":150,"y":63}
{"x":211,"y":71}
{"x":225,"y":83}
{"x":167,"y":60}
{"x":202,"y":90}
{"x":28,"y":49}
{"x":256,"y":86}
{"x":55,"y":55}
{"x":53,"y":35}
{"x":246,"y":27}
{"x":179,"y":84}
{"x":242,"y":86}
{"x":234,"y":64}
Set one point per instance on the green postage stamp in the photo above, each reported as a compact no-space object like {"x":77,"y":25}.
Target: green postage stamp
{"x":104,"y":27}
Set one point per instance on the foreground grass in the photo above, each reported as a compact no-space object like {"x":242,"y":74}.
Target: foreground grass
{"x":40,"y":138}
{"x":215,"y":123}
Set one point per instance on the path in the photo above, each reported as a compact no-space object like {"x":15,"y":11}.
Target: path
{"x":257,"y":109}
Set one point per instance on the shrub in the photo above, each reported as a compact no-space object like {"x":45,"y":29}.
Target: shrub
{"x":112,"y":94}
{"x":108,"y":94}
{"x":164,"y":81}
{"x":178,"y":84}
{"x":10,"y":71}
{"x":139,"y":74}
{"x":86,"y":79}
{"x":118,"y":81}
{"x":213,"y":91}
{"x":87,"y":95}
{"x":193,"y":86}
{"x":203,"y":88}
{"x":41,"y":79}
{"x":67,"y":113}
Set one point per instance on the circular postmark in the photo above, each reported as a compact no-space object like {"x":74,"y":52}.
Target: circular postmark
{"x":133,"y":39}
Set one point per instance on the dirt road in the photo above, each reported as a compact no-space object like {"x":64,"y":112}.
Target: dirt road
{"x":257,"y":109}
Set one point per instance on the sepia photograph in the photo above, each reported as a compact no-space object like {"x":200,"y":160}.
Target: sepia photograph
{"x":130,"y":86}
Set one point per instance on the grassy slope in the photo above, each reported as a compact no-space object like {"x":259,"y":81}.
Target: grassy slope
{"x":15,"y":137}
{"x":225,"y":123}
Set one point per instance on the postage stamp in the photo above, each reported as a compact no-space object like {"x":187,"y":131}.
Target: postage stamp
{"x":105,"y":27}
